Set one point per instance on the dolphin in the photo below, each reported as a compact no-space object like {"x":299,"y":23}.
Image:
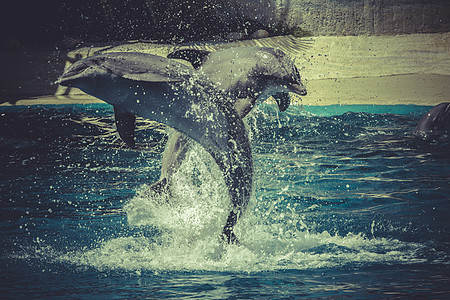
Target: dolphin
{"x":248,"y":73}
{"x":181,"y":97}
{"x":436,"y":121}
{"x":245,"y":88}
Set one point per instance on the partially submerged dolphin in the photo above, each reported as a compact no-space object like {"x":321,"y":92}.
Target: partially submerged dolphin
{"x":436,"y":121}
{"x":236,"y":74}
{"x":181,"y":97}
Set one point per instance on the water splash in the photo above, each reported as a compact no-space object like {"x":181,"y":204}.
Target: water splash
{"x":274,"y":235}
{"x":330,"y":191}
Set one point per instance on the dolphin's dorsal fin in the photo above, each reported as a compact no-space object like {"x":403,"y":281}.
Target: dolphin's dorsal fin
{"x":194,"y":56}
{"x":125,"y":123}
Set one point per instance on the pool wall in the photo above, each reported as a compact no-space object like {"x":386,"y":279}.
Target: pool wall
{"x":350,"y":17}
{"x":401,"y":69}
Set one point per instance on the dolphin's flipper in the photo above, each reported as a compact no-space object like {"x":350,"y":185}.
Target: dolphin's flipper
{"x":194,"y":56}
{"x":283,"y":100}
{"x":125,"y":123}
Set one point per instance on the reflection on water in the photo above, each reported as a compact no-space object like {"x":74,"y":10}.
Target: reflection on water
{"x":342,"y":203}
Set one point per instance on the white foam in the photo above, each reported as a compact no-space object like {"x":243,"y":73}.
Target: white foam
{"x":190,"y":224}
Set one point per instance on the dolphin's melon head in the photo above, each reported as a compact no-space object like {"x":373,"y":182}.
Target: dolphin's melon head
{"x":280,"y":69}
{"x":82,"y":74}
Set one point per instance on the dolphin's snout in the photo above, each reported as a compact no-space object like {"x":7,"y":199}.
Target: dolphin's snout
{"x":299,"y":89}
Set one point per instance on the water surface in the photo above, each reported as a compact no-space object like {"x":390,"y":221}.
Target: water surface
{"x":347,"y":203}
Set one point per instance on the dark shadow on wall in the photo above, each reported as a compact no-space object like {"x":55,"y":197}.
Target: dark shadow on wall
{"x":52,"y":21}
{"x":49,"y":21}
{"x":36,"y":36}
{"x":30,"y":72}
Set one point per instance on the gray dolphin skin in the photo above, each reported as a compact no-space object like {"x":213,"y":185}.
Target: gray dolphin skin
{"x":187,"y":100}
{"x":231,"y":70}
{"x":436,"y":121}
{"x":248,"y":72}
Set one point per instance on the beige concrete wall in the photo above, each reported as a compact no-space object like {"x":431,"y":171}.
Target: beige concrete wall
{"x":350,"y":17}
{"x":366,"y":69}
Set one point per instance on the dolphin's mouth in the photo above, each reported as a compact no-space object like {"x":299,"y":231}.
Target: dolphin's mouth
{"x":298,"y":89}
{"x":283,"y":100}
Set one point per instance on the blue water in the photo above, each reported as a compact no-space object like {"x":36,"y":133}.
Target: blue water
{"x":347,"y":203}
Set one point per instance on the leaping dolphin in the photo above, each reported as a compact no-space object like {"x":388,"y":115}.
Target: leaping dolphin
{"x":235,"y":72}
{"x":172,"y":93}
